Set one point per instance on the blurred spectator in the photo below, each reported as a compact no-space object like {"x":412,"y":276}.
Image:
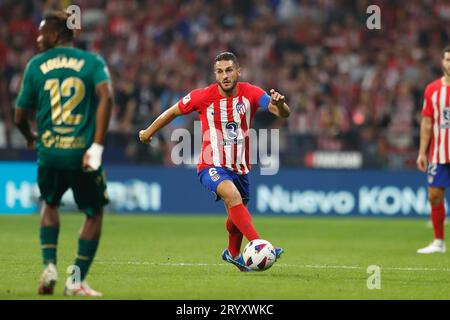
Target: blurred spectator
{"x":350,"y":88}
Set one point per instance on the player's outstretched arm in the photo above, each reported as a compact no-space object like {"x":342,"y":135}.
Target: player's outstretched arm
{"x":92,"y":157}
{"x":22,"y":123}
{"x":145,"y":136}
{"x":277,"y":105}
{"x":425,"y":136}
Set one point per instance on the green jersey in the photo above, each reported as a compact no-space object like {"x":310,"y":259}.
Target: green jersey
{"x":60,"y":85}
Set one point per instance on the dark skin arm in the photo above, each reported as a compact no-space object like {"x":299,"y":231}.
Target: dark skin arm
{"x":103,"y":115}
{"x":23,"y":124}
{"x":104,"y":108}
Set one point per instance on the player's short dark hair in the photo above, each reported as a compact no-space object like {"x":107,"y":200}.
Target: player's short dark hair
{"x":446,"y":49}
{"x":227,"y":56}
{"x":57,"y":20}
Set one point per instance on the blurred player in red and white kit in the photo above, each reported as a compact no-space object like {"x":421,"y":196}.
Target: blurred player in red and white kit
{"x":226,"y":109}
{"x":435,"y":136}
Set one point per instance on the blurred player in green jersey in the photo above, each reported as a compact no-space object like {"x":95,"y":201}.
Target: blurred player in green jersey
{"x":70,"y":91}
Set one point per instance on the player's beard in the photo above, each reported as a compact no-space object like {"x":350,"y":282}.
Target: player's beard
{"x":229,"y":89}
{"x":446,"y":71}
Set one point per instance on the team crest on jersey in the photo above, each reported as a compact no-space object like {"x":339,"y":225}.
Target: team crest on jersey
{"x":215,"y":178}
{"x":187,"y":98}
{"x":241,"y":107}
{"x":430,"y":179}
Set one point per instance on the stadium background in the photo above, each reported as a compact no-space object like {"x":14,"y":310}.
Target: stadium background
{"x":355,"y":93}
{"x":348,"y":149}
{"x":350,"y":88}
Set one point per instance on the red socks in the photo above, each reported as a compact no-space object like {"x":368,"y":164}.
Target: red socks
{"x":437,"y":218}
{"x":234,"y":238}
{"x":243,"y":221}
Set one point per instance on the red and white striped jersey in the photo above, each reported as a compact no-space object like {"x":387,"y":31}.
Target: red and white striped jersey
{"x":437,"y":106}
{"x":225,"y":124}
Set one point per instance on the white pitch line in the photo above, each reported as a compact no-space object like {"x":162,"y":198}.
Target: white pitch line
{"x":306,"y":266}
{"x":416,"y":269}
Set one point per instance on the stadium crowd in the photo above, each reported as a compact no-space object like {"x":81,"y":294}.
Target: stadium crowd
{"x":349,"y":87}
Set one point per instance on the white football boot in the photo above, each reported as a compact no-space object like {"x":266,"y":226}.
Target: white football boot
{"x":48,"y":279}
{"x":80,"y":290}
{"x":437,"y":246}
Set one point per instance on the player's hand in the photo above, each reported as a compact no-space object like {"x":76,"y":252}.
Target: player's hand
{"x":92,"y":158}
{"x":276,"y":98}
{"x":31,"y":143}
{"x":86,"y":166}
{"x":144,"y":138}
{"x":422,"y":162}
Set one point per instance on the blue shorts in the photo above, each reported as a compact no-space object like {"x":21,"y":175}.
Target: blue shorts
{"x":439,"y":175}
{"x":210,"y":178}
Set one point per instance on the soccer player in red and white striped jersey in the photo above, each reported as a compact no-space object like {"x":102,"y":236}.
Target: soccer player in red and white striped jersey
{"x":435,"y":136}
{"x":226,"y":109}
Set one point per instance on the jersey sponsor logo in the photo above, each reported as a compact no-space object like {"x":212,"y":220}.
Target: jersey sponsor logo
{"x":187,"y":98}
{"x":60,"y":142}
{"x":231,"y":135}
{"x":445,"y":123}
{"x":232,"y":129}
{"x":47,"y":139}
{"x":241,"y":108}
{"x":446,"y":114}
{"x":63,"y":130}
{"x":232,"y":142}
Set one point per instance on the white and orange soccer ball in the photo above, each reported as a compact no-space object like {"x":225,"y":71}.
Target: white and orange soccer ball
{"x":259,"y":255}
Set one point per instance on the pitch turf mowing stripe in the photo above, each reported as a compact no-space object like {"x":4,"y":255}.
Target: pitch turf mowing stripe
{"x":178,"y":257}
{"x":190,"y":264}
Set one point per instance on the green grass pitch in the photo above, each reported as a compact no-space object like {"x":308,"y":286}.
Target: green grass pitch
{"x":178,"y":257}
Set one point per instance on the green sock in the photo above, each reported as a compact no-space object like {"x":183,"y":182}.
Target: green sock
{"x":86,"y":253}
{"x":49,"y":241}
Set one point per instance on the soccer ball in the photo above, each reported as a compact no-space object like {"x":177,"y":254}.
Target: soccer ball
{"x":259,"y":255}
